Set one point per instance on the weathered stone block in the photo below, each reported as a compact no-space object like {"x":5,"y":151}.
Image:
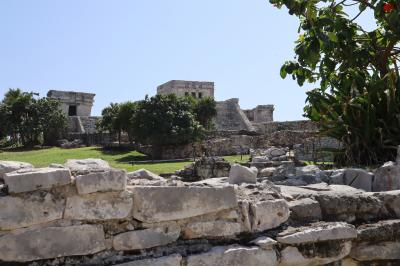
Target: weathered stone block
{"x":38,"y":178}
{"x":112,"y":180}
{"x":269,"y":214}
{"x":157,"y":204}
{"x":144,"y":174}
{"x":212,"y":229}
{"x":265,"y":243}
{"x":172,"y":260}
{"x":376,"y":251}
{"x":104,"y":206}
{"x":234,"y":256}
{"x":52,"y":242}
{"x":321,"y":232}
{"x":11,"y":166}
{"x":358,"y":178}
{"x":18,"y":212}
{"x":147,"y":238}
{"x":387,"y":177}
{"x":305,"y":210}
{"x":241,"y":174}
{"x":85,"y":166}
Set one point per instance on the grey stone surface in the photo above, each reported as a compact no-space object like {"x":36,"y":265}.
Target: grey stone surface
{"x":37,"y":178}
{"x":147,"y":238}
{"x":99,"y":206}
{"x":268,"y":214}
{"x":387,"y":177}
{"x":305,"y":209}
{"x":234,"y":256}
{"x":144,"y":174}
{"x":307,"y":170}
{"x":172,"y":260}
{"x":11,"y":166}
{"x":111,"y":180}
{"x":320,"y":232}
{"x":291,"y":256}
{"x":18,"y":212}
{"x":368,"y":251}
{"x":391,"y":202}
{"x":358,"y":178}
{"x":240,"y":174}
{"x":85,"y":166}
{"x":211,"y":229}
{"x":157,"y":204}
{"x":52,"y":242}
{"x":264,"y":242}
{"x":387,"y":230}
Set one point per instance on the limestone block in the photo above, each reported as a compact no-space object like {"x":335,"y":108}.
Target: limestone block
{"x":265,"y":242}
{"x":267,"y":172}
{"x":376,"y":251}
{"x":358,"y":178}
{"x":234,"y":256}
{"x":172,"y":260}
{"x":52,"y":242}
{"x":157,"y":204}
{"x":112,"y":180}
{"x":268,"y":214}
{"x":313,"y":234}
{"x":305,"y":209}
{"x":211,"y":229}
{"x":11,"y":166}
{"x":391,"y":202}
{"x":307,"y":170}
{"x":18,"y":212}
{"x":101,"y":206}
{"x":387,"y":230}
{"x":147,"y":238}
{"x":387,"y":177}
{"x":240,"y":174}
{"x":291,"y":256}
{"x":36,"y":178}
{"x":85,"y":166}
{"x":144,"y":174}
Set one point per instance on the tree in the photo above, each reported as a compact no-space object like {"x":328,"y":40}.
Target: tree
{"x":52,"y":120}
{"x":358,"y":97}
{"x":205,"y":110}
{"x":165,"y":120}
{"x":125,"y":113}
{"x":109,"y":120}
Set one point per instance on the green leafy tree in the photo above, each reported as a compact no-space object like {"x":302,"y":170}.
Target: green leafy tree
{"x":125,"y":113}
{"x":205,"y":110}
{"x":52,"y":120}
{"x":165,"y":120}
{"x":109,"y":120}
{"x":358,"y":97}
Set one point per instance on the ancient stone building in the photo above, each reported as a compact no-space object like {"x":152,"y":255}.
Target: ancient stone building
{"x":74,"y":103}
{"x":197,"y":89}
{"x":261,"y":114}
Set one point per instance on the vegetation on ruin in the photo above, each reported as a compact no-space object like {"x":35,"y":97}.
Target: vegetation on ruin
{"x":28,"y":120}
{"x":358,"y":97}
{"x":161,"y":120}
{"x":116,"y":158}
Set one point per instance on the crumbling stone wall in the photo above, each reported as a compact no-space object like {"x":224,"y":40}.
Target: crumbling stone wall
{"x":84,"y":213}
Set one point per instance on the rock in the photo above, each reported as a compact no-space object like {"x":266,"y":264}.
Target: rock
{"x":144,"y":174}
{"x":234,"y":256}
{"x":52,"y":242}
{"x":291,"y":256}
{"x":267,"y":172}
{"x":388,"y":230}
{"x":387,"y":177}
{"x":37,"y":178}
{"x":157,"y":204}
{"x":287,"y":169}
{"x":172,"y":260}
{"x":260,"y":159}
{"x":22,"y":212}
{"x":147,"y":238}
{"x":241,"y":174}
{"x":305,"y":210}
{"x":56,"y":165}
{"x":112,"y":180}
{"x":358,"y":178}
{"x":86,"y":166}
{"x":264,"y":242}
{"x":318,"y":233}
{"x":212,"y":229}
{"x":391,"y":203}
{"x":268,"y":214}
{"x":103,"y":206}
{"x":307,"y":170}
{"x":11,"y":166}
{"x":336,"y":177}
{"x":348,"y":206}
{"x":376,"y":251}
{"x":275,"y":152}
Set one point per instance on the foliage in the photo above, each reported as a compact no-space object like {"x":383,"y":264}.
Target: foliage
{"x":109,"y":120}
{"x":205,"y":110}
{"x":358,"y":98}
{"x":26,"y":120}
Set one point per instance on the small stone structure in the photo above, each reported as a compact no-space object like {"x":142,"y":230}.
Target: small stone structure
{"x":74,"y":103}
{"x":85,"y":213}
{"x":261,"y":114}
{"x":181,"y":88}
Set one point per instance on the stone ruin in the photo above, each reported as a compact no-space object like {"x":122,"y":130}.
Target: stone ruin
{"x":87,"y":213}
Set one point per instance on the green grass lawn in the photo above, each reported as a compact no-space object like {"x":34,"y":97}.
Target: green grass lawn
{"x":117,"y":159}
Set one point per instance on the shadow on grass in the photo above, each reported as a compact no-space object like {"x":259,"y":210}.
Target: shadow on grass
{"x":133,"y":158}
{"x":24,"y":149}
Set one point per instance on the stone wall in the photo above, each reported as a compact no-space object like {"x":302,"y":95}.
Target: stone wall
{"x":82,"y":101}
{"x":86,"y":213}
{"x":261,"y":114}
{"x":231,"y":118}
{"x":181,"y":88}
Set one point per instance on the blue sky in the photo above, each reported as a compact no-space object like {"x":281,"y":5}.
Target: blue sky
{"x":122,"y":49}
